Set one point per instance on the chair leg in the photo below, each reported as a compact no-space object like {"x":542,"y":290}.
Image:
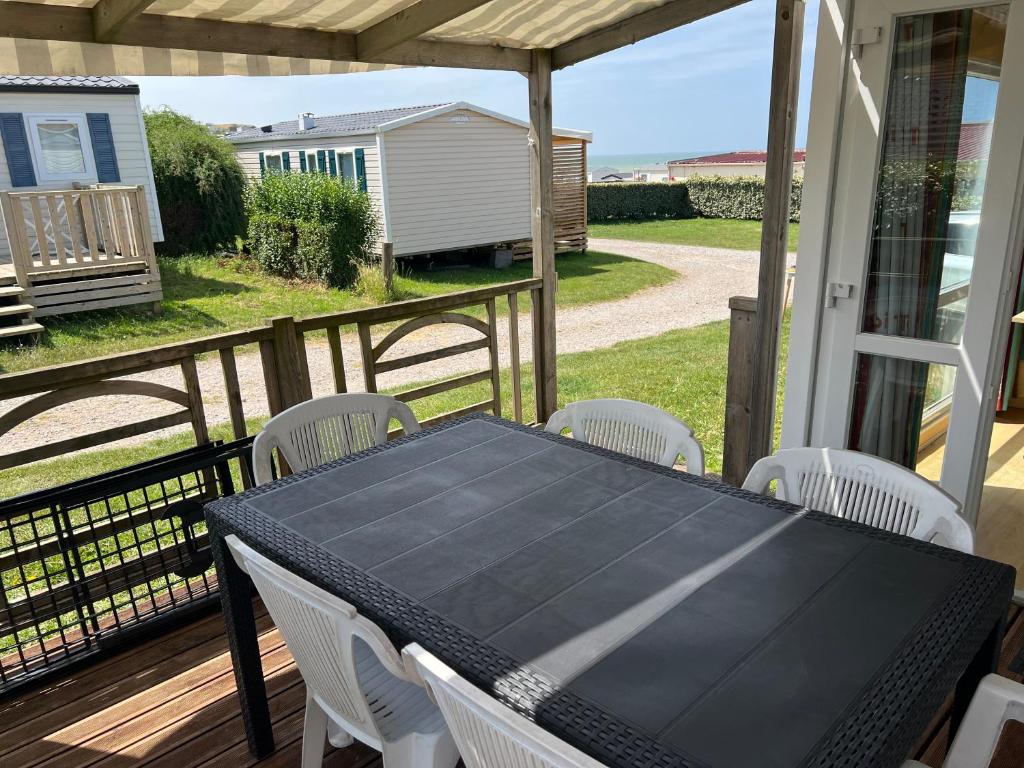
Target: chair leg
{"x":421,"y":750}
{"x":338,"y":736}
{"x":314,"y":734}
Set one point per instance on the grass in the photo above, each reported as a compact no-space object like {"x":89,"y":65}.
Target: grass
{"x":204,"y":295}
{"x":713,"y":233}
{"x":681,"y":371}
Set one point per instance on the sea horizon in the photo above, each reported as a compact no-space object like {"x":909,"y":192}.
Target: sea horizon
{"x":629,"y":161}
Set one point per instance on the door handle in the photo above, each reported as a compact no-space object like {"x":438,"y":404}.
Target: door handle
{"x":837,"y":291}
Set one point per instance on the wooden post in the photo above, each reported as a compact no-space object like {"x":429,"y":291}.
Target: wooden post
{"x":387,"y":263}
{"x":735,"y":461}
{"x":543,"y":231}
{"x":291,"y":379}
{"x":789,"y":27}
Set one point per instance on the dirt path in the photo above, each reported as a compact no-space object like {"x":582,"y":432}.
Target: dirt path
{"x":707,"y":278}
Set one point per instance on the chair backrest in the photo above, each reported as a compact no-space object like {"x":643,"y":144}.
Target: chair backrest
{"x":864,"y":488}
{"x":327,"y":428}
{"x":487,"y":733}
{"x":321,"y":632}
{"x":635,"y":429}
{"x":996,"y":702}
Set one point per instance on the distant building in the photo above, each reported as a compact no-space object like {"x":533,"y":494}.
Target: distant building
{"x":443,"y":177}
{"x":220,"y":129}
{"x":607,"y":173}
{"x":742,"y":163}
{"x":651,"y":173}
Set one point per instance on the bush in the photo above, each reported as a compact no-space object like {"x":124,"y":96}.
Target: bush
{"x":736,"y":197}
{"x":199,"y":184}
{"x":623,"y":201}
{"x":711,"y":197}
{"x":311,"y":226}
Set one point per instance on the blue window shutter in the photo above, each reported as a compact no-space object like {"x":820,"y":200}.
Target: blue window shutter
{"x":19,"y":157}
{"x":361,"y":169}
{"x":333,"y":160}
{"x":302,"y":160}
{"x":263,"y":165}
{"x":103,"y":147}
{"x":286,"y":161}
{"x":321,"y":161}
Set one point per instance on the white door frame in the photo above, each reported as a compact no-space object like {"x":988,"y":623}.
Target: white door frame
{"x":840,"y":98}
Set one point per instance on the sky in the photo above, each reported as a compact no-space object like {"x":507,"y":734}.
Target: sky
{"x":703,"y":87}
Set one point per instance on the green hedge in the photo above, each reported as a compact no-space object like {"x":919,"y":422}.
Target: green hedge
{"x":310,"y":226}
{"x":710,"y":197}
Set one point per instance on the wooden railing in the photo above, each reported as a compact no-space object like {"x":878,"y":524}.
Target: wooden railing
{"x":60,"y":231}
{"x":284,"y":361}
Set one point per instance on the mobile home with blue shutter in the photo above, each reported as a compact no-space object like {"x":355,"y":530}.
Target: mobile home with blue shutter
{"x":443,"y":177}
{"x":79,"y":202}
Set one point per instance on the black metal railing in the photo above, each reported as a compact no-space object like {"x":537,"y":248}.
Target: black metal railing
{"x":87,"y":565}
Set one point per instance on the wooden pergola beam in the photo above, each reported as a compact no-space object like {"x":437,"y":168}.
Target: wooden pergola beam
{"x":66,"y":23}
{"x":635,"y":28}
{"x":109,"y":16}
{"x":410,"y":23}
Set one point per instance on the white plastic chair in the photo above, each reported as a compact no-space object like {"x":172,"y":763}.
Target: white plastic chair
{"x":996,"y":701}
{"x":489,"y":734}
{"x":864,"y":488}
{"x":355,"y":679}
{"x":327,"y":428}
{"x":635,"y":429}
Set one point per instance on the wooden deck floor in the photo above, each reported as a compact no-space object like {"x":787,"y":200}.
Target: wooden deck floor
{"x":170,"y":703}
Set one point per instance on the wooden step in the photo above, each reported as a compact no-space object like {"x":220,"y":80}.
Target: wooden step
{"x":16,"y":309}
{"x":7,"y":291}
{"x":25,"y":329}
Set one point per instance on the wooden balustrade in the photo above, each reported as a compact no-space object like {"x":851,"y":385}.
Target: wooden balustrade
{"x":81,"y":249}
{"x":282,"y":345}
{"x":60,"y":230}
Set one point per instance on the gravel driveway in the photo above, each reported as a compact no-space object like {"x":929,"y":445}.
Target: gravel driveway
{"x":707,"y":277}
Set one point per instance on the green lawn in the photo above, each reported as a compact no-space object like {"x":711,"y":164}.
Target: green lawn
{"x":714,"y":233}
{"x":204,"y":295}
{"x":682,"y":372}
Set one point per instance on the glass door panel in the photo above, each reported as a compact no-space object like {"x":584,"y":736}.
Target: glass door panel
{"x":943,"y":83}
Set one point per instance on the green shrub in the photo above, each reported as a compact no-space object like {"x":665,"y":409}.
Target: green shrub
{"x":272,"y":244}
{"x":199,"y":184}
{"x":311,"y":226}
{"x":622,"y":201}
{"x":711,"y":197}
{"x":736,"y":197}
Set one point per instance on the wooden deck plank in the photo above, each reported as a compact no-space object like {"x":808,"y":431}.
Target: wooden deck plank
{"x":170,"y":703}
{"x":96,"y":687}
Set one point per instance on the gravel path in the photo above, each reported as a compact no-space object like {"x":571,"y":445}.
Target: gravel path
{"x":707,"y":278}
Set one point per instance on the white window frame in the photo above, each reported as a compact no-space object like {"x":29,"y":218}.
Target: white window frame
{"x":280,"y":162}
{"x":33,"y":120}
{"x":338,"y":152}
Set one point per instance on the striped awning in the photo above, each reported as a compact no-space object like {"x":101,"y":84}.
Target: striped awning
{"x":283,"y":37}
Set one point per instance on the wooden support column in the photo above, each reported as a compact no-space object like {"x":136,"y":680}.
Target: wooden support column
{"x":543,"y":231}
{"x":742,"y":324}
{"x":292,"y":375}
{"x":789,"y":27}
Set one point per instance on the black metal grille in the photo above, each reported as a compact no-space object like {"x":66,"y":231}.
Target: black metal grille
{"x":82,"y":564}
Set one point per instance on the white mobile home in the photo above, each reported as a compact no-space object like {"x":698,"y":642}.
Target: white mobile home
{"x":79,"y":202}
{"x":443,"y":177}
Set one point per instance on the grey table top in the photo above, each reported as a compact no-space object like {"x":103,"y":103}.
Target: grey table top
{"x":727,"y":629}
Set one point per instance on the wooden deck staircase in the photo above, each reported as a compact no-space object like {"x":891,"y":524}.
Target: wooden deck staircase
{"x":16,"y":312}
{"x":75,"y":250}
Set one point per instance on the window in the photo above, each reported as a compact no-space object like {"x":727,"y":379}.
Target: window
{"x":61,"y":148}
{"x":347,"y":166}
{"x":311,"y":166}
{"x":273,"y":163}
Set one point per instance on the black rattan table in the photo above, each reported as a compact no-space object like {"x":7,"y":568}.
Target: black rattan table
{"x":648,"y":617}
